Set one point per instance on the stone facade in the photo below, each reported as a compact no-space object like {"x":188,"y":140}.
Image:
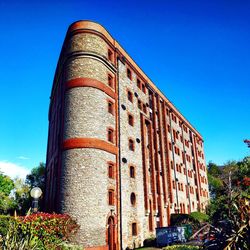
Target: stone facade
{"x":121,"y":159}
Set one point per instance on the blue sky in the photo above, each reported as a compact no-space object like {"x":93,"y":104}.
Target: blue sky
{"x":196,"y":52}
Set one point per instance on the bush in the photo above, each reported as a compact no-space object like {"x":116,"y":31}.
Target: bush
{"x":150,"y":242}
{"x":5,"y":220}
{"x":198,"y":216}
{"x":42,"y":231}
{"x":181,"y":247}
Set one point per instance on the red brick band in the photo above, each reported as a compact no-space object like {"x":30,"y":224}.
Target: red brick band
{"x":89,"y":82}
{"x":74,"y":143}
{"x":97,"y":248}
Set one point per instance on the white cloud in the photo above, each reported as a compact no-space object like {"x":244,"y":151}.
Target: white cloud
{"x":23,"y":158}
{"x":13,"y":170}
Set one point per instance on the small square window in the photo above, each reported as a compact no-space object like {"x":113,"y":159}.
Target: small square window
{"x":111,"y":171}
{"x":138,"y":83}
{"x":130,"y":96}
{"x":143,"y":88}
{"x":130,"y":120}
{"x":131,"y":145}
{"x":111,"y":107}
{"x":129,"y":74}
{"x":134,"y":229}
{"x":111,"y":197}
{"x":111,"y":135}
{"x":132,"y":171}
{"x":110,"y":81}
{"x":139,"y":104}
{"x":110,"y":55}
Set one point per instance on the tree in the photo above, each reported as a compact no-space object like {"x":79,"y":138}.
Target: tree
{"x":6,"y":186}
{"x":37,"y":177}
{"x":229,"y":206}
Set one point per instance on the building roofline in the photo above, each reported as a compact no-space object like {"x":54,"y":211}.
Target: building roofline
{"x":91,"y":25}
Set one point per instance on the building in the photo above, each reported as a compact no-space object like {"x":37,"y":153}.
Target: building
{"x":121,"y":158}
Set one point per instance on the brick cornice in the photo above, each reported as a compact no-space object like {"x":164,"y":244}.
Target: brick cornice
{"x":89,"y":82}
{"x":74,"y":143}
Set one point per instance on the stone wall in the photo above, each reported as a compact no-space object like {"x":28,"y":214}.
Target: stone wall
{"x":84,"y":192}
{"x":131,"y":214}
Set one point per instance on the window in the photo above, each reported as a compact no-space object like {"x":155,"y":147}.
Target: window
{"x":172,"y":165}
{"x":110,"y":55}
{"x":132,"y":171}
{"x":139,"y":104}
{"x":130,"y":96}
{"x":143,"y":88}
{"x":144,"y":108}
{"x":130,"y":120}
{"x":111,"y":197}
{"x":168,"y":128}
{"x":138,"y":83}
{"x":111,"y":107}
{"x":111,"y":170}
{"x":174,"y":118}
{"x":173,"y":182}
{"x":133,"y":199}
{"x":111,"y":135}
{"x":134,"y":229}
{"x":129,"y":75}
{"x":110,"y":81}
{"x":131,"y":145}
{"x":170,"y":146}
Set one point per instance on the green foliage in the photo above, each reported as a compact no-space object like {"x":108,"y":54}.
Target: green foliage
{"x":39,"y":231}
{"x":5,"y":220}
{"x":200,"y":217}
{"x":149,"y":242}
{"x":22,"y":196}
{"x":6,"y":184}
{"x":37,"y":177}
{"x":240,"y":223}
{"x":181,"y":247}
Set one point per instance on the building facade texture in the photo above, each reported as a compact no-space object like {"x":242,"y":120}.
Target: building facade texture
{"x":121,"y":158}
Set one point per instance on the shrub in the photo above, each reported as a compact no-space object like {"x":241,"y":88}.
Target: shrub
{"x":150,"y":242}
{"x":5,"y":220}
{"x":198,"y":216}
{"x":42,"y":230}
{"x":181,"y":247}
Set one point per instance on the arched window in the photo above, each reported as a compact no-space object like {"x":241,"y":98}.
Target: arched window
{"x":132,"y":171}
{"x":133,"y":199}
{"x":131,"y":145}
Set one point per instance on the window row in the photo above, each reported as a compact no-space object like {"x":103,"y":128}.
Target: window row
{"x":111,"y":138}
{"x":142,"y":106}
{"x":139,"y":83}
{"x":203,"y":179}
{"x":188,"y":158}
{"x":187,"y":143}
{"x":112,"y":170}
{"x":190,"y":173}
{"x":204,"y":193}
{"x":111,"y":198}
{"x":200,"y":154}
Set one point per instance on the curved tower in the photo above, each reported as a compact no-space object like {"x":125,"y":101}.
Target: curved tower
{"x":120,"y":157}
